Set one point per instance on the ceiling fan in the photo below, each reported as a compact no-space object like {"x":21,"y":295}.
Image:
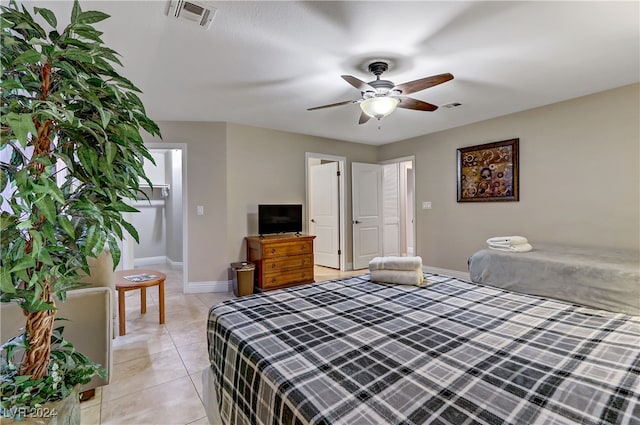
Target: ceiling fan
{"x":382,"y":97}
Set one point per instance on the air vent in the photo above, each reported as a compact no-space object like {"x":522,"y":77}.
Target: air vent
{"x":195,"y":12}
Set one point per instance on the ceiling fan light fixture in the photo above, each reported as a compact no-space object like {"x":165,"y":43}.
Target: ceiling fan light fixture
{"x":379,"y":107}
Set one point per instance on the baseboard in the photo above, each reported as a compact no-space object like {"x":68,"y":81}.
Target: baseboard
{"x":210,"y":286}
{"x":176,"y":265}
{"x":148,"y":261}
{"x":447,"y":272}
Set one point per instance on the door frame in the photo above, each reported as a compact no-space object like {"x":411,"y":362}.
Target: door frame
{"x":412,"y":159}
{"x":342,"y":161}
{"x":185,"y":216}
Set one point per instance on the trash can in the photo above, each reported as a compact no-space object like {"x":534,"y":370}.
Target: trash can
{"x":242,"y":278}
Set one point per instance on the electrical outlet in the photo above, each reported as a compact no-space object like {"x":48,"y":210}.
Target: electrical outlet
{"x":426,"y":205}
{"x":200,"y":210}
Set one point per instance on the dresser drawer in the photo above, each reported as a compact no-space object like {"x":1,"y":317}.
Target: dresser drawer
{"x":287,"y":278}
{"x":281,"y":249}
{"x":281,"y":264}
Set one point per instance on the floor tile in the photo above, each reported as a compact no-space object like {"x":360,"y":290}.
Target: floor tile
{"x":90,"y":415}
{"x":141,"y":343}
{"x":173,"y":402}
{"x":194,"y":356}
{"x":134,"y":376}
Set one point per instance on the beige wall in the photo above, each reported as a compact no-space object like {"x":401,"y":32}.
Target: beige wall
{"x":268,"y":166}
{"x":579,"y":179}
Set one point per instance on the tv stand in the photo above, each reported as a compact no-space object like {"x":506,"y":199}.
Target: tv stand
{"x":281,"y":260}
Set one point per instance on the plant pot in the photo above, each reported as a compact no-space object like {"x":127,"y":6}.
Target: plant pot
{"x":61,"y":412}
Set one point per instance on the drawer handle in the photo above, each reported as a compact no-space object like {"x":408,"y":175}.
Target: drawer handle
{"x":273,"y":266}
{"x":273,"y":279}
{"x":273,"y":250}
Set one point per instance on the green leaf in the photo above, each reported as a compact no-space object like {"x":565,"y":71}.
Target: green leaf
{"x":105,"y":117}
{"x":6,"y":285}
{"x":91,"y":17}
{"x":4,"y":179}
{"x":78,"y":55}
{"x":66,"y":225}
{"x":47,"y":15}
{"x":46,"y":205}
{"x":131,"y":230}
{"x":75,"y":12}
{"x":24,"y":263}
{"x":30,"y":56}
{"x":122,"y":207}
{"x":11,"y":84}
{"x":22,"y":125}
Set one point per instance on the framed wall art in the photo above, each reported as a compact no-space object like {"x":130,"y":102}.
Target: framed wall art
{"x":488,"y":172}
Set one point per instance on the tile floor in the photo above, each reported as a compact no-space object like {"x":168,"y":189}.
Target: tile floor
{"x":156,"y":376}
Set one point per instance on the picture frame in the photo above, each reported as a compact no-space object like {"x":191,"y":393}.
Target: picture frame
{"x":489,"y":172}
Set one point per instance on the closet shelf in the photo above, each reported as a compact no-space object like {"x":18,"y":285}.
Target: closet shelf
{"x":156,"y":186}
{"x":147,"y":204}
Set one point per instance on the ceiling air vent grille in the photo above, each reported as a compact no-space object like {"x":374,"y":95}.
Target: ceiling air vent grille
{"x":194,"y":12}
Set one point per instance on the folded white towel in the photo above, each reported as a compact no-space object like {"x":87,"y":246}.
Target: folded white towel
{"x":523,"y":247}
{"x":507,"y":240}
{"x":402,"y":277}
{"x":395,"y":263}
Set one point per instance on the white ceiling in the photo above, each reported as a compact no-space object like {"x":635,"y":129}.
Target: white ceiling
{"x":263,"y":63}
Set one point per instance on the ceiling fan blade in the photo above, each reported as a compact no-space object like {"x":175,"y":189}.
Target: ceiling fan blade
{"x":411,"y":103}
{"x":357,"y":83}
{"x":346,"y":102}
{"x":423,"y":83}
{"x":363,"y":118}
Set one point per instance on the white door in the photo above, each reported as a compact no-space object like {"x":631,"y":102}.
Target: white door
{"x":366,"y":194}
{"x":391,"y":229}
{"x":324,"y":216}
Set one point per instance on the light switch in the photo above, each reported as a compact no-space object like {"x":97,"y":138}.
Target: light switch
{"x":200,"y":210}
{"x":426,"y":205}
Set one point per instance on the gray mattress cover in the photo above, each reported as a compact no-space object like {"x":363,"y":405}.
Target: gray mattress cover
{"x":607,"y":279}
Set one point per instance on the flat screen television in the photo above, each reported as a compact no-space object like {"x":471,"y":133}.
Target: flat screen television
{"x":280,"y":218}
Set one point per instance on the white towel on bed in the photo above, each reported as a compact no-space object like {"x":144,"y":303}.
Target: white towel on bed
{"x":395,"y":263}
{"x":524,"y":247}
{"x":402,"y":277}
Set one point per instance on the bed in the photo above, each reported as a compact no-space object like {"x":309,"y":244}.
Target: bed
{"x":351,"y":351}
{"x":607,"y":279}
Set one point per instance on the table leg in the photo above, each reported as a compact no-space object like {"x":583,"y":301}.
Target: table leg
{"x":121,"y":311}
{"x":161,"y":300}
{"x":143,"y":300}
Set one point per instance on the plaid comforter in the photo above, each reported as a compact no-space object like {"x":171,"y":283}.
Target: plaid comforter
{"x":351,"y":351}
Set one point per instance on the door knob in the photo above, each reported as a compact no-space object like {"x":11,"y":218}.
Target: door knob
{"x":356,"y":222}
{"x":313,"y":221}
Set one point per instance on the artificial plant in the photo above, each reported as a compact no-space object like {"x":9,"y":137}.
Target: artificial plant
{"x":71,"y":153}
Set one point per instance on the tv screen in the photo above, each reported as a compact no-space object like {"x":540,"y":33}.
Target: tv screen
{"x":283,"y":218}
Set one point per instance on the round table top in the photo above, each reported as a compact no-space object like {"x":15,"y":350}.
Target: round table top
{"x":147,"y":277}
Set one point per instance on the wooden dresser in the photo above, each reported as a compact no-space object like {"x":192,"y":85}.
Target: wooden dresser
{"x":281,"y":260}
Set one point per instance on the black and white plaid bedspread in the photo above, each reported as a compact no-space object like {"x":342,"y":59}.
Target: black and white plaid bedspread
{"x":354,"y":352}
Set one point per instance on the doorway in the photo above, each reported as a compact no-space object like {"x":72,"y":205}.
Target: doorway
{"x":161,"y":221}
{"x":324,"y":176}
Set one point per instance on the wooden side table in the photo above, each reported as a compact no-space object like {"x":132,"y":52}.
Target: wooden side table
{"x":153,"y":278}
